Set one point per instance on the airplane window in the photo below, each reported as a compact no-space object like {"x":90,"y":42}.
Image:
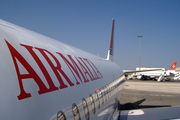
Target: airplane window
{"x":107,"y":91}
{"x":92,"y":104}
{"x":102,"y":100}
{"x":86,"y":111}
{"x":104,"y":93}
{"x":97,"y":100}
{"x":75,"y":112}
{"x":61,"y":116}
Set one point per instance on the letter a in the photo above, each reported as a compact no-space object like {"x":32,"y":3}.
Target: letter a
{"x":32,"y":74}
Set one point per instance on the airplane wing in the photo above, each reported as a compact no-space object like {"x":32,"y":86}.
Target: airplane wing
{"x":167,"y":113}
{"x":135,"y":111}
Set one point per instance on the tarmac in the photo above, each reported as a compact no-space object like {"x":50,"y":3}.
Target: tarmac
{"x":155,"y":93}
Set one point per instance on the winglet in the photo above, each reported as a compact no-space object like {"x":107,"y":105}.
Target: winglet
{"x":173,"y":66}
{"x":111,"y":44}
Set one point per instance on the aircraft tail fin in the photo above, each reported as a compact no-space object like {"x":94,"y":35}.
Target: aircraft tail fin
{"x":111,"y":44}
{"x":173,"y":66}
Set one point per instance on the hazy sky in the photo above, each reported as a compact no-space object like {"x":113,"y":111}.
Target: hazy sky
{"x":86,"y":24}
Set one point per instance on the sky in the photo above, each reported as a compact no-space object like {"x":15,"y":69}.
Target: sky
{"x":86,"y":24}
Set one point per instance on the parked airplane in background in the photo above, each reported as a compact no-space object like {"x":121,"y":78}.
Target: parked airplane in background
{"x":176,"y":77}
{"x":44,"y":79}
{"x":169,"y":74}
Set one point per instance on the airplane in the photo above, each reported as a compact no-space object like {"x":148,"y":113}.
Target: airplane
{"x":45,"y":79}
{"x":169,"y":74}
{"x":42,"y":78}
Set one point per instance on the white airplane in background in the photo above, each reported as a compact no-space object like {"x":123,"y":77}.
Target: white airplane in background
{"x":156,"y":74}
{"x":44,"y":79}
{"x":176,"y":77}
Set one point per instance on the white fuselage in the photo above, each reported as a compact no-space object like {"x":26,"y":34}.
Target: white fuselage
{"x":151,"y":74}
{"x":41,"y":76}
{"x":156,"y":74}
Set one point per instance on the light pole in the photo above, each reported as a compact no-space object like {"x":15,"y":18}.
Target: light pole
{"x":139,"y":51}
